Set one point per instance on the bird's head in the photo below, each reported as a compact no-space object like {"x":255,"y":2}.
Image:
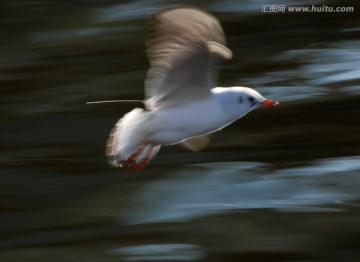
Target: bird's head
{"x":241,"y":100}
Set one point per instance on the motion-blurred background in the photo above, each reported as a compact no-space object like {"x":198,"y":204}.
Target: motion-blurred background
{"x":278,"y":185}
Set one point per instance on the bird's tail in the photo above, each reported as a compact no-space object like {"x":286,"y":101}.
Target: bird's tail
{"x":127,"y":145}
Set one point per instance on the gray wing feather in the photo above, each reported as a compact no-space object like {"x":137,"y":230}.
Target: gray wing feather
{"x":196,"y":143}
{"x":183,"y":46}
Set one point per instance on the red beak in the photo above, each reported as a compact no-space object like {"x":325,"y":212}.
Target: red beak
{"x":268,"y":102}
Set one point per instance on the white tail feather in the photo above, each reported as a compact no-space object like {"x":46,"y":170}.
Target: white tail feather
{"x":128,"y":135}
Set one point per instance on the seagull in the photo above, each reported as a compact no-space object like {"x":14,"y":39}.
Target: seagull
{"x":182,"y":104}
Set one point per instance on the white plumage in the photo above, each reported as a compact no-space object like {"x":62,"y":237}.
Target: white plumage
{"x":183,"y":106}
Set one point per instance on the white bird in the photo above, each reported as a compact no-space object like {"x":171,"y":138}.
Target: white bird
{"x":182,"y":103}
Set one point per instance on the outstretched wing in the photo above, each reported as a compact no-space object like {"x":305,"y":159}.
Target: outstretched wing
{"x":182,"y":47}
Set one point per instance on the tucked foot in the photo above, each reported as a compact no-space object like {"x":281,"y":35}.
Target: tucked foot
{"x":131,"y":159}
{"x":138,"y":159}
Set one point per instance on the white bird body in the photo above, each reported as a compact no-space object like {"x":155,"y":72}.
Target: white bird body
{"x":172,"y":125}
{"x":191,"y":119}
{"x":182,"y":104}
{"x":168,"y":126}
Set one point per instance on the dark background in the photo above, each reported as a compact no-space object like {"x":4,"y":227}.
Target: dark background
{"x":278,"y":185}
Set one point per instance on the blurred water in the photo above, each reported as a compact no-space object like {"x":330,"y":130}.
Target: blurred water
{"x":278,"y":185}
{"x":225,"y":187}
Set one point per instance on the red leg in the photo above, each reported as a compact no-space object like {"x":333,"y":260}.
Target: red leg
{"x":131,"y":159}
{"x":133,"y":164}
{"x":143,"y":161}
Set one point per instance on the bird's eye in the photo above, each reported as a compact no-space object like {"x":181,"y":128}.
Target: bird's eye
{"x":252,"y":100}
{"x":241,"y":100}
